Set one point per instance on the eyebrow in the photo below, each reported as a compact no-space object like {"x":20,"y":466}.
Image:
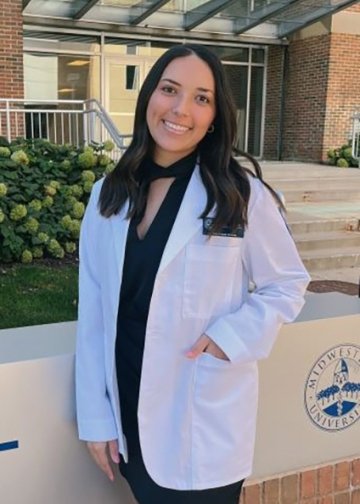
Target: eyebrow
{"x":178,"y":84}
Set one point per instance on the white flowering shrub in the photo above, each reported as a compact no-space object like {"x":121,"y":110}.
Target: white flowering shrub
{"x":44,"y":190}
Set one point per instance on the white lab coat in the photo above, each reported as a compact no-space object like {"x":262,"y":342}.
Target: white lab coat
{"x":196,"y":417}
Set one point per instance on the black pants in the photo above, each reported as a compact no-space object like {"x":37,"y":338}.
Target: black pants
{"x":146,"y":491}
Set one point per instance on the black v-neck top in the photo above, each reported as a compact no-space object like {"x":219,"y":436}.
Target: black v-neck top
{"x":141,"y":263}
{"x":143,"y":256}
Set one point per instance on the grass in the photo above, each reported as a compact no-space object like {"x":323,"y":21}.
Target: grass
{"x":37,"y":294}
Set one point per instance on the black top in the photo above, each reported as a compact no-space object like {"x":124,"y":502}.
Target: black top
{"x":142,"y":259}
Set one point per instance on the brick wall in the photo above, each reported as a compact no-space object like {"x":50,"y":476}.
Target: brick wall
{"x":343,"y":95}
{"x":337,"y":483}
{"x":11,"y":49}
{"x":11,"y":61}
{"x":321,"y":95}
{"x":273,"y":101}
{"x":305,"y":98}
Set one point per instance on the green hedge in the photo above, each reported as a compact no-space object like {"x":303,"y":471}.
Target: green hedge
{"x":342,"y":157}
{"x":44,"y":189}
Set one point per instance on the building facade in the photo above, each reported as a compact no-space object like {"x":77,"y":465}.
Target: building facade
{"x":293,"y":69}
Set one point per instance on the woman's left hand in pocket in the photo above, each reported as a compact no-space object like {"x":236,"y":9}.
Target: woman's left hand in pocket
{"x":205,"y":344}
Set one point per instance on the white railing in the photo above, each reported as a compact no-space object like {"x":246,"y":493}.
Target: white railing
{"x":77,"y":122}
{"x":356,"y":136}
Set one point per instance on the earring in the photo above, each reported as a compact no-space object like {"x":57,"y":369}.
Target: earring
{"x":211,"y":129}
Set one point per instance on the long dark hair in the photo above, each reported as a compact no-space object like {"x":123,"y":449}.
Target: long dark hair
{"x":225,"y":180}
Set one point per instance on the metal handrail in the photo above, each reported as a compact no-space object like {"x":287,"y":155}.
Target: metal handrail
{"x":60,"y":124}
{"x":355,"y":144}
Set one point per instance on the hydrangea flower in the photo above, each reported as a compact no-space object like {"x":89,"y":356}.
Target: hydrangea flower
{"x":35,"y":205}
{"x":66,"y":222}
{"x":88,"y":186}
{"x":20,"y":157}
{"x":2,"y":216}
{"x":108,"y":145}
{"x":78,"y":210}
{"x":26,"y":257}
{"x":5,"y":152}
{"x":66,"y":165}
{"x":76,"y":190}
{"x":104,"y":160}
{"x":43,"y":237}
{"x":71,"y":200}
{"x":3,"y":189}
{"x":18,"y":212}
{"x":109,"y":168}
{"x":87,"y":159}
{"x":47,"y":202}
{"x":50,"y":191}
{"x":70,"y":247}
{"x":37,"y":252}
{"x":32,"y":225}
{"x":88,"y":175}
{"x":54,"y":184}
{"x":55,"y":249}
{"x":74,"y":228}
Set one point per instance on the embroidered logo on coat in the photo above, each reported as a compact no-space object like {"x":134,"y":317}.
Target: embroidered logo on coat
{"x":332,"y":391}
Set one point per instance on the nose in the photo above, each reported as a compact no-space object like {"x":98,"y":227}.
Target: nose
{"x":181,"y":106}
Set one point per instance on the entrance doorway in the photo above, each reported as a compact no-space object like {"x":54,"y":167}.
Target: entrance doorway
{"x":123,"y":79}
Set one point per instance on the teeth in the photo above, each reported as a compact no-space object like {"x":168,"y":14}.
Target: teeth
{"x":176,"y":127}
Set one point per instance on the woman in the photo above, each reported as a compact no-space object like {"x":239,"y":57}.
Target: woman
{"x":169,"y":332}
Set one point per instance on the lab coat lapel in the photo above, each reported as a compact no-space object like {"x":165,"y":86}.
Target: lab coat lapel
{"x":120,"y":227}
{"x":187,"y":221}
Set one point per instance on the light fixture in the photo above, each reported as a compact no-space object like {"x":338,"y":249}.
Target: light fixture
{"x":78,"y":63}
{"x":66,"y":90}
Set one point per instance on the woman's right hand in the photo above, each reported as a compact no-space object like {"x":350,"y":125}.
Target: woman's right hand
{"x":100,"y":452}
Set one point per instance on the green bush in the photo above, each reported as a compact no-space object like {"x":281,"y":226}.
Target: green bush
{"x":342,"y":157}
{"x":44,"y":189}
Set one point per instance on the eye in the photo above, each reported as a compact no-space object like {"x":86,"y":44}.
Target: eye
{"x":202,"y":99}
{"x":168,"y":89}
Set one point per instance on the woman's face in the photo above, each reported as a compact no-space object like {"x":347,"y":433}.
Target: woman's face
{"x":181,"y":109}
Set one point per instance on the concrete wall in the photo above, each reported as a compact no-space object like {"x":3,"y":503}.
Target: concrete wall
{"x":37,"y":412}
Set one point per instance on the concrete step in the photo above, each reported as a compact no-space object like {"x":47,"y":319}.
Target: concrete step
{"x":300,"y":195}
{"x":314,"y":184}
{"x":315,"y":174}
{"x":329,"y":241}
{"x":321,"y":225}
{"x":323,"y":210}
{"x":351,"y":275}
{"x":315,"y":260}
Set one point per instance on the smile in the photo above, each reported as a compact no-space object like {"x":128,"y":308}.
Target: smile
{"x":177,"y":128}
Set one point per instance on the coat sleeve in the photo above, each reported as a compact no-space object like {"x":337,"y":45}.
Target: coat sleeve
{"x":94,"y":414}
{"x":272,"y":263}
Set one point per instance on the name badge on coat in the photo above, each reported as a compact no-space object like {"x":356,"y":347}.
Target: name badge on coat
{"x":225,"y":231}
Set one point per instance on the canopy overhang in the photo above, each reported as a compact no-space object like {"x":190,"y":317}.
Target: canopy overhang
{"x":255,"y":21}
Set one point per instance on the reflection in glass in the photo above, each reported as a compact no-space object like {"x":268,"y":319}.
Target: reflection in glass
{"x":51,"y":77}
{"x":132,"y":77}
{"x":255,"y":113}
{"x":258,"y":56}
{"x":119,"y":3}
{"x":240,"y":54}
{"x":237,"y":77}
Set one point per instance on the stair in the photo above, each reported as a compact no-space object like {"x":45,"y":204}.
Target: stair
{"x":323,"y":206}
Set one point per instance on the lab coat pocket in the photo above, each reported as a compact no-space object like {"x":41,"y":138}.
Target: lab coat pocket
{"x":224,"y":414}
{"x":208,"y":279}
